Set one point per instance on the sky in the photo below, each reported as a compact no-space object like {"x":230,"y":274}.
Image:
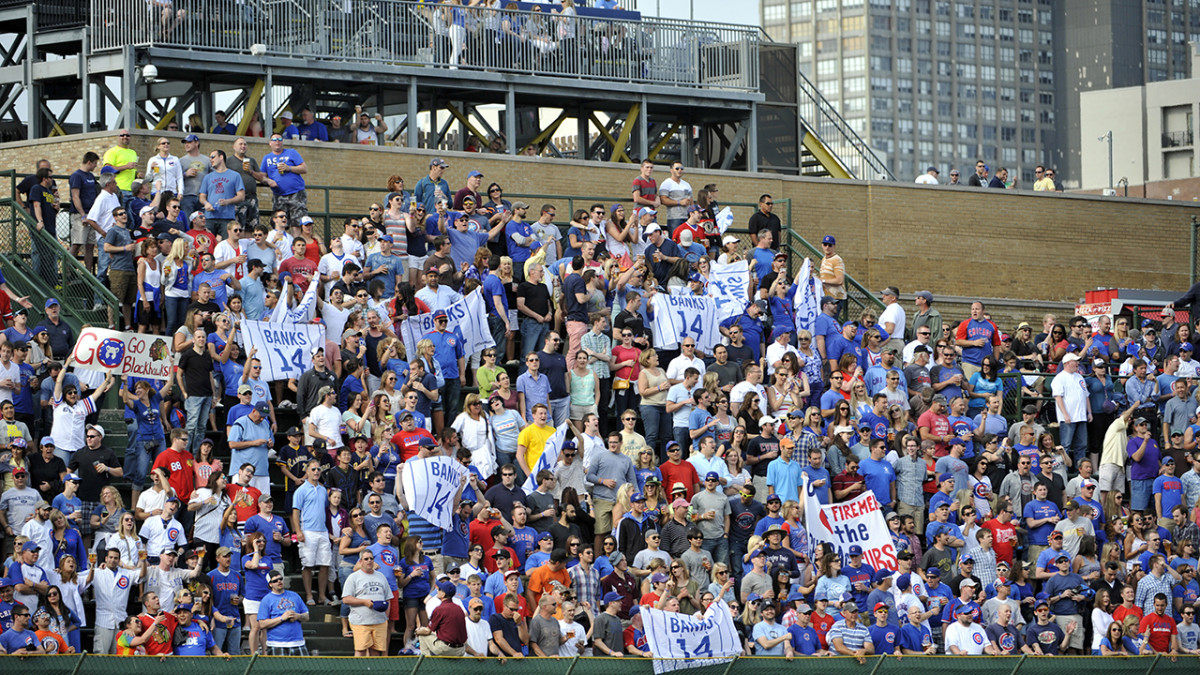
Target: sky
{"x":722,"y":11}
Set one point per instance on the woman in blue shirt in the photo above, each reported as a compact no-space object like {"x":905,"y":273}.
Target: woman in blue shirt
{"x":414,"y":582}
{"x":832,"y":583}
{"x":256,"y":565}
{"x":983,"y":384}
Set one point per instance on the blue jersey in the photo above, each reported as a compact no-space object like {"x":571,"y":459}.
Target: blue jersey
{"x":805,"y":640}
{"x":447,"y":349}
{"x":225,"y":586}
{"x":884,"y":638}
{"x":216,"y":281}
{"x":387,"y":559}
{"x":196,"y":639}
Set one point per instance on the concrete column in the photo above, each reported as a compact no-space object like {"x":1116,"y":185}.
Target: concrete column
{"x":510,"y":120}
{"x":413,"y":113}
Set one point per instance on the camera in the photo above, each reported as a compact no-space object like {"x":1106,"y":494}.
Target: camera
{"x":1085,"y":593}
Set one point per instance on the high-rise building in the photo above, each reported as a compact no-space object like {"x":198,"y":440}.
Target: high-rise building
{"x":946,"y":82}
{"x":1110,"y":44}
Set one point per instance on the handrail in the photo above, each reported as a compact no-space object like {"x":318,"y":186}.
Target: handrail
{"x":83,"y":299}
{"x":822,"y":119}
{"x":623,"y":47}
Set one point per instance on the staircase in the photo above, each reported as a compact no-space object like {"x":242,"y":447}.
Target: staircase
{"x":835,"y":147}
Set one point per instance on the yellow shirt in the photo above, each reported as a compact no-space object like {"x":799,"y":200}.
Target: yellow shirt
{"x":117,"y":156}
{"x":1116,"y":438}
{"x":533,"y":438}
{"x":1044,"y":185}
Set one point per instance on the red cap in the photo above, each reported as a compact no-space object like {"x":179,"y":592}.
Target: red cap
{"x":879,"y":606}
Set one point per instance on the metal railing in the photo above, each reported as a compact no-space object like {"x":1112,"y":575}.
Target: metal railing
{"x":52,"y":273}
{"x":1176,"y":139}
{"x":822,"y":119}
{"x":392,"y":32}
{"x":54,"y":13}
{"x":858,"y":297}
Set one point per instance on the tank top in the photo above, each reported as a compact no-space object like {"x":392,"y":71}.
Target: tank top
{"x":152,"y":286}
{"x":177,"y":278}
{"x":655,"y":397}
{"x":583,"y":388}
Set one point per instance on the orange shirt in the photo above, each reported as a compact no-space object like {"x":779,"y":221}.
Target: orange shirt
{"x":540,"y":578}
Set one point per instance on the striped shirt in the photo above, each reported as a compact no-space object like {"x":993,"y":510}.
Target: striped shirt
{"x":430,"y":534}
{"x":1149,"y":586}
{"x":852,"y":638}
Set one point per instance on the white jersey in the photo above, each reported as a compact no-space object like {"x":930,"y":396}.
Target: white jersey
{"x":677,"y":317}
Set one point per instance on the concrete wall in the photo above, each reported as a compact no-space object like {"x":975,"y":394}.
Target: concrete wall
{"x":953,"y":241}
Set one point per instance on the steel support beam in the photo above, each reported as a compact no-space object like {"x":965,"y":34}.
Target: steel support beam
{"x":466,"y":124}
{"x":752,"y":140}
{"x":731,"y":151}
{"x":414,"y":110}
{"x":510,"y":120}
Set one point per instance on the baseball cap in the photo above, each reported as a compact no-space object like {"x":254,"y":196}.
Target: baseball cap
{"x":1056,"y":534}
{"x":172,"y":498}
{"x":679,"y":502}
{"x":72,"y":476}
{"x":245,"y":389}
{"x":294,"y":431}
{"x":882,"y":573}
{"x":474,"y":174}
{"x":265,"y":498}
{"x":634,"y":611}
{"x":183,"y":607}
{"x":447,"y":588}
{"x":196,"y":214}
{"x":879,"y":606}
{"x":766,"y":420}
{"x":946,"y":476}
{"x":1167,"y":459}
{"x":773,"y":498}
{"x":29,"y":546}
{"x":712,"y":475}
{"x":50,"y":302}
{"x":933,"y":169}
{"x":262,"y":408}
{"x":933,"y":572}
{"x":1070,"y":357}
{"x":637,"y":496}
{"x":652,"y":227}
{"x":306,"y":220}
{"x":107,"y":169}
{"x":544,"y":536}
{"x":611,"y":596}
{"x":828,"y":239}
{"x":904,"y":582}
{"x":729,"y":239}
{"x":388,"y":238}
{"x":192,"y":138}
{"x":658,"y":578}
{"x":440,"y":314}
{"x":855,"y":550}
{"x":890,"y":290}
{"x":438,"y":161}
{"x":967,"y":582}
{"x":924,"y":295}
{"x":965,"y":609}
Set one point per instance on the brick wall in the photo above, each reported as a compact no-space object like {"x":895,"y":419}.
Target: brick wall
{"x":953,"y":241}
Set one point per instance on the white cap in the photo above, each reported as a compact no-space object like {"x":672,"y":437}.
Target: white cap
{"x":652,"y":227}
{"x":1070,"y":357}
{"x":766,"y":420}
{"x":146,"y":209}
{"x":729,"y":239}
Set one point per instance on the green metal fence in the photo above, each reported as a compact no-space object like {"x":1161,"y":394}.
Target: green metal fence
{"x":875,"y":665}
{"x":83,"y":299}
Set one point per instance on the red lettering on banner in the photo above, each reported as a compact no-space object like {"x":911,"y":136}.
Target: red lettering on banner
{"x":855,"y":509}
{"x":85,"y":348}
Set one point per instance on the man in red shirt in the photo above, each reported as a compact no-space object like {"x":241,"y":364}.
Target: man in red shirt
{"x":1004,"y":533}
{"x":160,"y":623}
{"x":300,"y":268}
{"x":1159,"y":629}
{"x":850,"y":483}
{"x":481,"y":529}
{"x":179,"y":464}
{"x":446,"y":634}
{"x":675,"y":470}
{"x":242,"y":494}
{"x":408,"y":439}
{"x":934,"y":425}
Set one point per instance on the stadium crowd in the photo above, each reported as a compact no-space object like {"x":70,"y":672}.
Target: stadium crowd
{"x":1069,"y":529}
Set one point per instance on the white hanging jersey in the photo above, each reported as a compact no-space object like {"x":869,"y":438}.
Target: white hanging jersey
{"x":677,"y":317}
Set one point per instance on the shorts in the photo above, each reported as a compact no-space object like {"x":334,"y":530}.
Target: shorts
{"x":316,"y":550}
{"x":1112,"y":478}
{"x":393,"y":612}
{"x":123,"y":285}
{"x":578,"y":411}
{"x":413,"y":603}
{"x":302,"y":650}
{"x":604,"y":509}
{"x":1076,"y":641}
{"x":417,"y":262}
{"x":251,"y":607}
{"x":82,"y":234}
{"x":370,"y":637}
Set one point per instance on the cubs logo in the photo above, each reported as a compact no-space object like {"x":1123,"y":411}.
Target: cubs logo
{"x":110,"y":352}
{"x":926,"y":639}
{"x":122,"y":582}
{"x":982,"y":491}
{"x":1007,"y":643}
{"x":173,"y":533}
{"x":977,"y":637}
{"x":50,"y":645}
{"x":451,"y":341}
{"x":388,"y":558}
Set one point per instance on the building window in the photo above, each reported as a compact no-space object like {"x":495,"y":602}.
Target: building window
{"x":826,"y":6}
{"x":801,"y":10}
{"x":850,"y":23}
{"x":854,"y":64}
{"x":774,"y":13}
{"x":854,"y":105}
{"x":826,"y":67}
{"x":853,"y":44}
